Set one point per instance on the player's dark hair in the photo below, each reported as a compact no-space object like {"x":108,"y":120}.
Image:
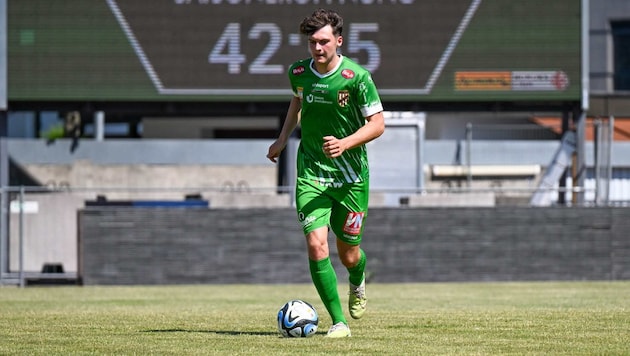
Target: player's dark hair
{"x":320,"y":18}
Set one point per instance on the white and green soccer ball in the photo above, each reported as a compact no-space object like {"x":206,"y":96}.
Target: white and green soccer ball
{"x":297,"y":318}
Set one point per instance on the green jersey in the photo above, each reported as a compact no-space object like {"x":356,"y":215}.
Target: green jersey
{"x":333,"y":104}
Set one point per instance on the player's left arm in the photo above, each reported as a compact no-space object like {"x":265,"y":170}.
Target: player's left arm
{"x":367,"y":98}
{"x":375,"y":126}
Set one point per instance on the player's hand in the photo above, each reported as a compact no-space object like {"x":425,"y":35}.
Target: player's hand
{"x":332,"y":147}
{"x":274,"y":151}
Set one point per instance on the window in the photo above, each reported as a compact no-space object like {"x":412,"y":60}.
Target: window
{"x":621,"y":53}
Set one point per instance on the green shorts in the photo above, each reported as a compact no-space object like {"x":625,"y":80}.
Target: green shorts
{"x":342,"y":208}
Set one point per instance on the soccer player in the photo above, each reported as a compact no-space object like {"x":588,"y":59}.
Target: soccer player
{"x":338,"y":107}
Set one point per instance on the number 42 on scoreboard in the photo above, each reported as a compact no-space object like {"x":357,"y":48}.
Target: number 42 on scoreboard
{"x":227,"y":49}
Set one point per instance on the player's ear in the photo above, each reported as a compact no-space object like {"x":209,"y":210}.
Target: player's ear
{"x":339,"y":40}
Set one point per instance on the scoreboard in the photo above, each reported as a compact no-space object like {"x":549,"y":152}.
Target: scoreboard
{"x":240,"y":50}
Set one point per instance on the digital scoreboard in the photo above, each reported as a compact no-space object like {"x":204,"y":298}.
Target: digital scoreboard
{"x":417,"y":50}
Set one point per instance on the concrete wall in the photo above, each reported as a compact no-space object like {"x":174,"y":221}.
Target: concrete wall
{"x":155,"y":181}
{"x":49,"y":232}
{"x":171,"y":246}
{"x":49,"y":220}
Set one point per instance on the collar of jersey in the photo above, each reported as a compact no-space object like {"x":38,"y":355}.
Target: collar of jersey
{"x":327,"y":73}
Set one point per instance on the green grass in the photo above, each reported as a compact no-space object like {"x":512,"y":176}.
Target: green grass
{"x":541,"y":318}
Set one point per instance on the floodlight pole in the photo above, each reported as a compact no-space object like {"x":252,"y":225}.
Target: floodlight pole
{"x":4,"y":156}
{"x":579,"y":115}
{"x":585,"y":55}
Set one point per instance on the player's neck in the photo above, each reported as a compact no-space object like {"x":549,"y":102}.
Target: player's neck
{"x":323,"y":68}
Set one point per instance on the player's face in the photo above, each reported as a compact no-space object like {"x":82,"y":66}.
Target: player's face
{"x":323,"y":46}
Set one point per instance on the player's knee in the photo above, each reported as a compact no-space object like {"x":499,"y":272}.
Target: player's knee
{"x":317,"y":253}
{"x":350,"y":258}
{"x":317,"y":247}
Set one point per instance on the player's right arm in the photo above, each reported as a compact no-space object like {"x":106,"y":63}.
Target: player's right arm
{"x":290,"y":123}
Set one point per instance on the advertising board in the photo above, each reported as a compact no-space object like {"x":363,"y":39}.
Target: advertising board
{"x":417,"y":50}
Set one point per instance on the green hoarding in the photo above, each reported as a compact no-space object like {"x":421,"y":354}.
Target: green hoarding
{"x":417,"y":50}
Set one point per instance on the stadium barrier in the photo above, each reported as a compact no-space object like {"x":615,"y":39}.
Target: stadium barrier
{"x":45,"y":227}
{"x":122,"y":246}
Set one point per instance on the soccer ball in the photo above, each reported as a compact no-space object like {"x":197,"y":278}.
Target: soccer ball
{"x":297,"y":318}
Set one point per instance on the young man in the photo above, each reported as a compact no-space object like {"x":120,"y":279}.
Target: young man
{"x":339,"y":110}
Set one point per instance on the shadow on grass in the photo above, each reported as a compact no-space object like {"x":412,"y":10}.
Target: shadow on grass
{"x":218,"y":332}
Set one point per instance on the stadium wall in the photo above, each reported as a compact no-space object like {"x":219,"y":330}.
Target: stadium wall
{"x":124,"y":246}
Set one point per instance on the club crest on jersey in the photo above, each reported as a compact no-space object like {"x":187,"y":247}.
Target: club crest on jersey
{"x":343,"y":96}
{"x":298,"y":70}
{"x":354,"y":222}
{"x":347,"y":73}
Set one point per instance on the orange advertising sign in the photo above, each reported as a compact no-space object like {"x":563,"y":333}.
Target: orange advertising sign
{"x":483,"y":81}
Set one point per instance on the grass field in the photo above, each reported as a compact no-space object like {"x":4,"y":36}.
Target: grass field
{"x":541,"y":318}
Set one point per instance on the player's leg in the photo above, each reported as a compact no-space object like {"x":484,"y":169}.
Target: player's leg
{"x":353,"y":257}
{"x":325,"y":280}
{"x":347,"y":220}
{"x":313,"y":209}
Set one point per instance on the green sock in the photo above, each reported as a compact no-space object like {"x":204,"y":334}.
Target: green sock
{"x":357,"y":272}
{"x":325,"y":280}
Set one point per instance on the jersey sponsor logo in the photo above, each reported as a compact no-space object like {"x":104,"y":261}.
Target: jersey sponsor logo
{"x":354,"y":222}
{"x":317,"y":99}
{"x":305,"y":220}
{"x":331,"y":184}
{"x":328,"y":183}
{"x":298,"y":70}
{"x":343,"y":96}
{"x":347,"y":73}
